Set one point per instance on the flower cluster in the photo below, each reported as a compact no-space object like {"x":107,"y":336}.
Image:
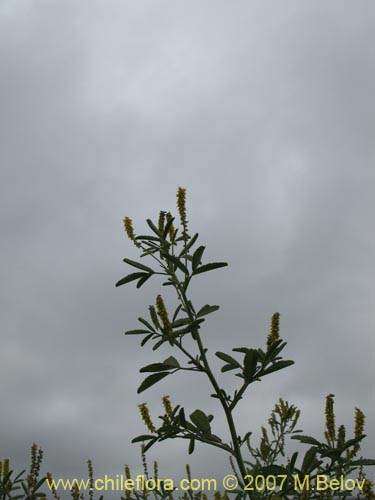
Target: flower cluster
{"x":274,"y":330}
{"x":167,"y":406}
{"x":129,"y":230}
{"x":163,"y":314}
{"x":330,"y":433}
{"x":145,"y":414}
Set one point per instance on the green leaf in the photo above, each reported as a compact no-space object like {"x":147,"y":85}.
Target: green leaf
{"x":261,"y":355}
{"x":130,"y":277}
{"x":353,"y":441}
{"x":191,"y":446}
{"x":189,"y":245}
{"x":181,"y":415}
{"x":228,"y":359}
{"x":159,"y":343}
{"x":152,"y":226}
{"x":207,"y":310}
{"x":362,"y":461}
{"x":143,"y":437}
{"x":146,"y":339}
{"x":156,"y":367}
{"x":227,"y":368}
{"x":307,"y":440}
{"x":250,"y":365}
{"x":39,"y":484}
{"x":145,"y":237}
{"x":176,"y":262}
{"x":181,"y":322}
{"x":136,"y":332}
{"x":292,"y":462}
{"x":138,"y":265}
{"x":146,"y":323}
{"x":275,"y":349}
{"x":149,"y":444}
{"x":176,"y":312}
{"x":309,"y":460}
{"x":191,"y":306}
{"x":200,"y":419}
{"x":171,"y":361}
{"x":210,"y":267}
{"x":151,"y":380}
{"x":273,"y":470}
{"x":167,"y":227}
{"x":143,"y":280}
{"x":197,"y":256}
{"x":279,"y":365}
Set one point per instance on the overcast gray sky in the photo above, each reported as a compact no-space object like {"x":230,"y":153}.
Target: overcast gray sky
{"x":264,"y":111}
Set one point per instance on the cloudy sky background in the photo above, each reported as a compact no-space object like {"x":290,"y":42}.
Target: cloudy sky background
{"x":264,"y":111}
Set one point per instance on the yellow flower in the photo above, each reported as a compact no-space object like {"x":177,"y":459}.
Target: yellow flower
{"x":330,"y":432}
{"x":172,"y":230}
{"x":167,"y":406}
{"x":368,"y":489}
{"x":181,"y":203}
{"x":128,"y":225}
{"x":161,"y":222}
{"x":341,"y":435}
{"x":359,"y":427}
{"x":145,"y":414}
{"x":188,"y":472}
{"x":163,"y":313}
{"x":359,"y":422}
{"x":274,"y":330}
{"x":128,"y":476}
{"x":154,"y":317}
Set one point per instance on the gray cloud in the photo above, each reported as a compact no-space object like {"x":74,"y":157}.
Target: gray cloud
{"x":264,"y":112}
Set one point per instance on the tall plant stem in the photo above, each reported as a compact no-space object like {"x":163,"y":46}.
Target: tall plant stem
{"x":227,"y":410}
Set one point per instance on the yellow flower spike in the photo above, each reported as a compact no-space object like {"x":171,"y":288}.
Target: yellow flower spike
{"x":156,"y":470}
{"x":128,"y":225}
{"x":127,"y":471}
{"x":6,"y":467}
{"x":359,"y":422}
{"x":163,"y":314}
{"x":188,"y":472}
{"x":144,"y":462}
{"x":127,"y":475}
{"x":330,"y":432}
{"x":145,"y":414}
{"x":359,"y":427}
{"x":167,"y":406}
{"x":161,"y":222}
{"x":181,"y":203}
{"x":297,"y":414}
{"x":274,"y":330}
{"x":51,"y":485}
{"x":172,"y":230}
{"x":75,"y":491}
{"x":264,"y":435}
{"x":154,"y":317}
{"x":341,"y":435}
{"x":367,"y":489}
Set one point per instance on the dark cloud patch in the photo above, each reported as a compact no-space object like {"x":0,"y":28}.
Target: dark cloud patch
{"x":266,"y":116}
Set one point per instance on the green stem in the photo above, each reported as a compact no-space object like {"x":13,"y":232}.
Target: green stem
{"x":227,"y":410}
